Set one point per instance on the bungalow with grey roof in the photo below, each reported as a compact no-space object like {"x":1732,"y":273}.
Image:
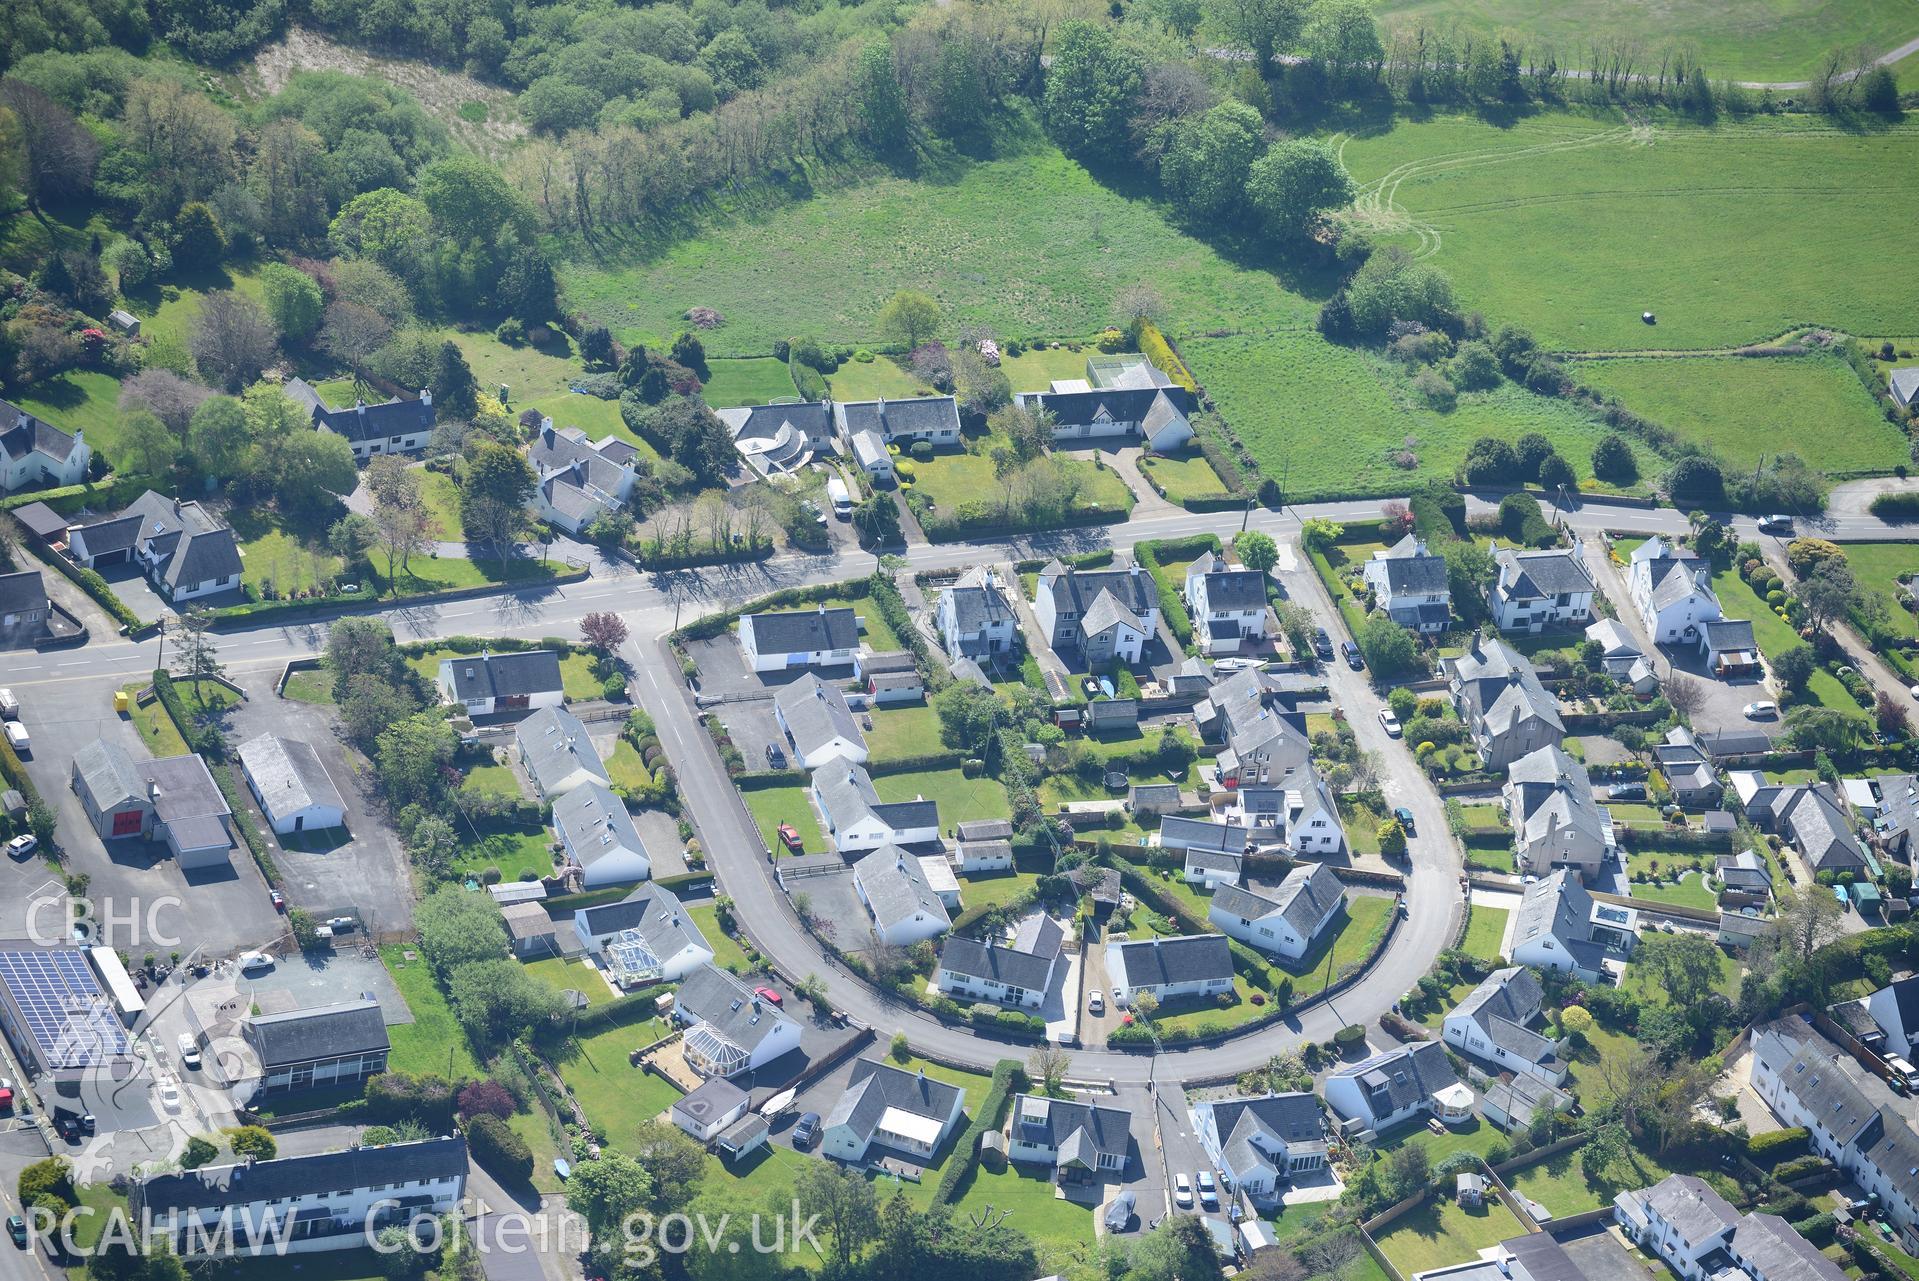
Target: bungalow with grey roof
{"x":730,"y":1029}
{"x":516,"y":681}
{"x":1211,"y":868}
{"x":395,"y":426}
{"x":869,"y":426}
{"x":1816,"y":819}
{"x":1287,"y":921}
{"x":780,"y":438}
{"x":1382,"y":1091}
{"x":184,"y":550}
{"x":1160,"y":417}
{"x":904,"y":905}
{"x":557,"y":753}
{"x":320,"y":1047}
{"x":1081,"y":1142}
{"x":1179,"y":833}
{"x":598,"y":838}
{"x":1262,"y":1141}
{"x":818,"y":723}
{"x":576,"y":481}
{"x":818,"y":637}
{"x":856,"y":820}
{"x":1903,"y":383}
{"x":1189,"y":965}
{"x":891,"y":1110}
{"x":1497,"y":1021}
{"x":646,"y":937}
{"x":1021,"y":975}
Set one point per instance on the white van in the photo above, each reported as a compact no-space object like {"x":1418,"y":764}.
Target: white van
{"x":1903,"y":1068}
{"x":836,"y":493}
{"x":9,"y":705}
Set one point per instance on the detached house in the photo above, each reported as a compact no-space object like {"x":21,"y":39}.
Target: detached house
{"x":1693,"y":1230}
{"x":1496,"y":1024}
{"x":598,"y":837}
{"x":1730,"y":649}
{"x":1895,"y":1009}
{"x":974,"y":616}
{"x":1559,"y":926}
{"x":1555,"y":820}
{"x":1160,"y":417}
{"x":1689,"y":771}
{"x":1498,"y":695}
{"x":1540,"y":589}
{"x":904,"y":904}
{"x":184,"y":550}
{"x":646,"y":937}
{"x":1103,"y":613}
{"x":1211,"y":868}
{"x":487,"y":683}
{"x":1815,"y":818}
{"x":392,"y":427}
{"x":1199,"y":965}
{"x":320,"y":1047}
{"x":24,"y":608}
{"x":818,"y":723}
{"x":730,"y":1029}
{"x":869,"y":426}
{"x":1621,"y":656}
{"x":1228,"y":605}
{"x":1409,"y":585}
{"x":1081,"y":1142}
{"x":557,"y":754}
{"x":1263,"y":1141}
{"x":899,"y":1112}
{"x":777,"y":439}
{"x":1375,"y":1095}
{"x":1672,"y":591}
{"x":37,"y":455}
{"x":1286,"y":921}
{"x":1020,"y":975}
{"x":577,"y":481}
{"x":819,"y":637}
{"x":291,"y":783}
{"x":1903,"y":383}
{"x":1185,"y":834}
{"x":855,"y":818}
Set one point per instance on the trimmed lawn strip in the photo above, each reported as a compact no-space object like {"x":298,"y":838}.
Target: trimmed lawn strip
{"x":1775,"y":635}
{"x":1878,"y":566}
{"x":726,"y":952}
{"x":1441,"y":1232}
{"x":1184,"y":476}
{"x":515,"y":852}
{"x":616,"y":1096}
{"x":751,"y":380}
{"x":314,"y":686}
{"x":491,"y":780}
{"x":960,"y":798}
{"x":563,"y":975}
{"x":1486,"y":932}
{"x":1365,"y":921}
{"x":909,"y":730}
{"x":1059,"y":1229}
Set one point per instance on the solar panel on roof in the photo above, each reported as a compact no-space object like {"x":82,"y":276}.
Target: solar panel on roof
{"x":66,"y":1013}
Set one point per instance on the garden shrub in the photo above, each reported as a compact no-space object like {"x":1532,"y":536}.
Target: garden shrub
{"x":1774,"y":1146}
{"x":500,"y":1151}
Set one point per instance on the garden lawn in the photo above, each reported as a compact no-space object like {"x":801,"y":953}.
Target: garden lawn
{"x":1777,"y":40}
{"x":903,"y":731}
{"x":624,"y":767}
{"x":1442,"y":1232}
{"x":1738,"y":600}
{"x":278,"y":558}
{"x":1744,"y":408}
{"x":157,"y":730}
{"x":1360,"y":928}
{"x":726,"y":952}
{"x":955,"y":478}
{"x":1028,"y":245}
{"x":882,"y":376}
{"x":1572,"y":226}
{"x":543,"y":380}
{"x":1329,"y":419}
{"x":434,"y":1042}
{"x":514,"y":852}
{"x":752,"y":380}
{"x":771,"y":806}
{"x":879,"y":637}
{"x":571,"y":976}
{"x":1184,"y":476}
{"x":616,"y":1096}
{"x":1038,"y":368}
{"x":447,"y":573}
{"x":1486,"y":932}
{"x":1877,"y":566}
{"x":1060,"y":1230}
{"x":993,"y":889}
{"x":1476,"y":1136}
{"x":80,"y":399}
{"x":491,"y":780}
{"x":1642,"y":983}
{"x":442,"y":499}
{"x":310,"y":686}
{"x":960,"y":798}
{"x":1560,"y":1183}
{"x":1202,"y":1016}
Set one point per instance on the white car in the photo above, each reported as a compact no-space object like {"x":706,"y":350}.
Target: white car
{"x":1390,"y":721}
{"x":255,"y":963}
{"x":1764,"y":710}
{"x":1775,"y":524}
{"x":169,"y":1096}
{"x":1096,"y":1002}
{"x":18,"y":738}
{"x":1914,"y":691}
{"x":189,"y":1052}
{"x":22,"y":845}
{"x":1182,"y":1190}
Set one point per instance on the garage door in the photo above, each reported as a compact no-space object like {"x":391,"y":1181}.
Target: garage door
{"x":513,"y":702}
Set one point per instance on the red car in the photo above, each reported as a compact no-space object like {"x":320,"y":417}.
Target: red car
{"x":279,"y":902}
{"x":768,"y":995}
{"x":790,"y":837}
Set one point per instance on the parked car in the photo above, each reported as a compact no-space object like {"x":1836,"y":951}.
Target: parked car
{"x":1182,"y":1190}
{"x":768,"y":995}
{"x":775,"y":756}
{"x":1390,"y":721}
{"x":807,"y":1130}
{"x":1208,"y":1190}
{"x":790,"y":838}
{"x":1322,"y":643}
{"x":169,"y":1096}
{"x":17,"y":1229}
{"x":1120,"y":1212}
{"x":1763,"y":710}
{"x":1096,"y":1002}
{"x":18,"y":738}
{"x":1775,"y":524}
{"x":189,"y":1052}
{"x":1405,"y":817}
{"x":255,"y":963}
{"x":1627,"y":792}
{"x":22,"y":845}
{"x":6,"y":1094}
{"x":279,"y":902}
{"x":9,"y":706}
{"x":1354,"y":659}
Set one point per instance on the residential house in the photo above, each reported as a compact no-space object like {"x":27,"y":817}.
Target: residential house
{"x":974,"y":616}
{"x":855,"y":818}
{"x":818,"y":723}
{"x":557,"y":753}
{"x":1228,"y":606}
{"x":169,"y":798}
{"x":1104,"y":613}
{"x":1745,"y":878}
{"x":1903,"y":383}
{"x":869,"y":426}
{"x":1177,"y":833}
{"x":1890,"y":802}
{"x":1287,"y":921}
{"x":24,"y":609}
{"x":1020,"y":975}
{"x":1555,"y":820}
{"x":1506,"y":709}
{"x":1688,"y":1226}
{"x":1260,"y":1142}
{"x":646,"y":937}
{"x":777,"y":439}
{"x":1158,"y":417}
{"x":1211,"y":868}
{"x":292,"y":785}
{"x":1263,"y":748}
{"x":391,"y":427}
{"x":729,"y":1028}
{"x":1497,"y":1023}
{"x":319,"y":1048}
{"x":1895,"y":1008}
{"x":1537,"y":1256}
{"x":904,"y":905}
{"x":709,"y":1108}
{"x":518,"y":681}
{"x":1729,"y":648}
{"x":598,"y":838}
{"x":1387,"y":1089}
{"x":1559,"y":926}
{"x":1081,"y":1142}
{"x":1622,"y":657}
{"x":1672,"y":591}
{"x":35,"y":454}
{"x":1537,"y":590}
{"x":578,"y":481}
{"x":1190,"y":965}
{"x":299,"y":1204}
{"x":1815,"y":818}
{"x":1512,"y":1101}
{"x":183,"y":549}
{"x":819,"y":637}
{"x":893,"y":1111}
{"x":1688,"y":770}
{"x":1409,"y":585}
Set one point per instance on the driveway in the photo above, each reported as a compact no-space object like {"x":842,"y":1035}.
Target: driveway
{"x":1147,"y":500}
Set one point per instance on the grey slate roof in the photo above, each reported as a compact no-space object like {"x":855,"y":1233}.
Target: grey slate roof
{"x":1107,"y":613}
{"x":108,"y":774}
{"x":807,"y":420}
{"x":323,"y":1032}
{"x":974,"y":959}
{"x":1729,"y":634}
{"x":846,"y":793}
{"x":1503,"y":688}
{"x":1905,"y":383}
{"x":1744,"y":871}
{"x":1613,"y":639}
{"x":1504,"y":1006}
{"x":1077,"y":589}
{"x":41,"y":521}
{"x":709,"y":1100}
{"x":1822,"y":1085}
{"x":804,"y":631}
{"x":894,"y":662}
{"x":1155,"y":794}
{"x":1307,"y":895}
{"x":1559,"y":907}
{"x":896,"y":887}
{"x":816,"y":713}
{"x":1894,"y":1150}
{"x":507,"y":675}
{"x":1691,"y":1205}
{"x":1080,"y":1131}
{"x":1399,"y":1078}
{"x":203,"y":557}
{"x":712,"y":996}
{"x":23,"y":591}
{"x":1212,"y":860}
{"x":1821,"y":828}
{"x":874,"y":1087}
{"x":1162,"y":962}
{"x":212,"y":1187}
{"x":907,"y":416}
{"x":978,"y":603}
{"x":656,"y":912}
{"x":1534,"y":575}
{"x":1235,"y":589}
{"x":596,"y":824}
{"x":1121,"y":405}
{"x":185,"y":798}
{"x":1285,"y":1120}
{"x":1555,"y":795}
{"x":364,"y":422}
{"x":1411,"y":568}
{"x":288,"y":774}
{"x":554,"y":744}
{"x":1177,"y":833}
{"x":984,"y":829}
{"x":1769,"y":1244}
{"x":21,"y":434}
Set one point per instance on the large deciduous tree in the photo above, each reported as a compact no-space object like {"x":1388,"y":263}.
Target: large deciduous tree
{"x":232,"y":339}
{"x":1296,"y":183}
{"x":1091,"y":87}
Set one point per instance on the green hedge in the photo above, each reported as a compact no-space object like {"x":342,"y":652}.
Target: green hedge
{"x":254,"y":610}
{"x":713,"y":624}
{"x":621,"y":1011}
{"x":202,"y":739}
{"x":68,"y":499}
{"x":1008,"y":1078}
{"x":1774,"y":1146}
{"x":1798,"y":1167}
{"x":760,"y":780}
{"x":682,"y":880}
{"x":1896,"y":507}
{"x":1172,"y":603}
{"x":914,"y":764}
{"x":892,"y":606}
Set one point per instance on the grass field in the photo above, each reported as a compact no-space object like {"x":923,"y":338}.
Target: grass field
{"x":1442,"y":1232}
{"x":434,"y":1042}
{"x":954,"y":479}
{"x":1572,"y":226}
{"x":615,"y":1095}
{"x":748,"y":381}
{"x":1774,"y":40}
{"x":871,"y":379}
{"x":1561,"y":1185}
{"x":312,"y":686}
{"x":1028,"y":245}
{"x":442,"y":498}
{"x":1744,"y":408}
{"x":1878,"y":567}
{"x":726,"y":952}
{"x":912,"y":730}
{"x":1327,"y":418}
{"x":79,"y":400}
